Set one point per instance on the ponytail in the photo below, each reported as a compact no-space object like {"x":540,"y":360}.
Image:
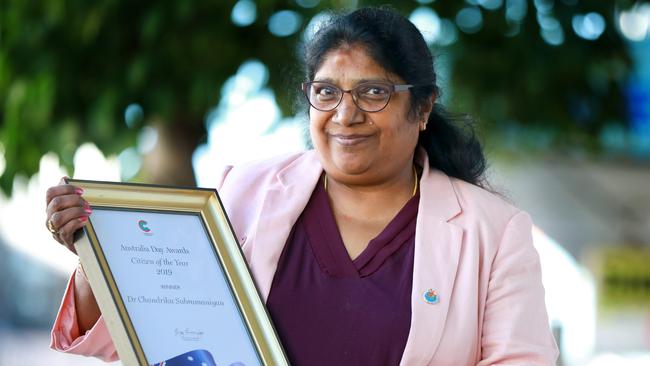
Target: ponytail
{"x":451,"y":149}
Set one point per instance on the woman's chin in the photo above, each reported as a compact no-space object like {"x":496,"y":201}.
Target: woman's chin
{"x":349,"y":169}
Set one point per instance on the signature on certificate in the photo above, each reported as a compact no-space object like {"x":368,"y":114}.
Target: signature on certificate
{"x":188,"y":334}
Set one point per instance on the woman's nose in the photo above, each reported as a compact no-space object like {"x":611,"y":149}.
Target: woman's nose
{"x":347,"y":113}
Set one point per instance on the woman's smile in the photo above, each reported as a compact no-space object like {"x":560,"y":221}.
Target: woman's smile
{"x":350,"y":139}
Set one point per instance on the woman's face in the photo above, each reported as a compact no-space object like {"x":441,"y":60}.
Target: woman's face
{"x":357,"y":147}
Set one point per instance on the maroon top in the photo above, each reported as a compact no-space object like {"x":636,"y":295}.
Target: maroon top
{"x":331,"y":310}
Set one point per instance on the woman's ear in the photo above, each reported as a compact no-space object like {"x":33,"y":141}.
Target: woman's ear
{"x":425,"y":111}
{"x":427,"y":107}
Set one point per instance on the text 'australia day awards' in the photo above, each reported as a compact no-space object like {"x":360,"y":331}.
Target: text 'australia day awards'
{"x":165,"y":261}
{"x":162,"y":258}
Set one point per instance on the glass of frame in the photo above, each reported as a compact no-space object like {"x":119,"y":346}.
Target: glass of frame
{"x":170,"y":278}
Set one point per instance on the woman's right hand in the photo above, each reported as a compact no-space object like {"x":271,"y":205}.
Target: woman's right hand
{"x":66,"y":211}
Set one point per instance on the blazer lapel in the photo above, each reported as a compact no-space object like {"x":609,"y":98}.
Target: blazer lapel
{"x":437,"y":252}
{"x":284,"y":202}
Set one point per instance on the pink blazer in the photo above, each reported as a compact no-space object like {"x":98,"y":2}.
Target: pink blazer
{"x":471,"y":247}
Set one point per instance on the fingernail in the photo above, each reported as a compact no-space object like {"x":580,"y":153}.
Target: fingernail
{"x":88,"y":210}
{"x":79,"y":191}
{"x":83,"y":218}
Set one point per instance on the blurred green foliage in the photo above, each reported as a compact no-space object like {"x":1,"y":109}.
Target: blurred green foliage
{"x":69,"y":68}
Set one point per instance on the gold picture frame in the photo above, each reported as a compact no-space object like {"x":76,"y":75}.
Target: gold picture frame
{"x":117,"y":269}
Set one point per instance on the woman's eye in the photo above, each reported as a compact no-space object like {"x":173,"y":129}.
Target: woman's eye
{"x":325,"y":91}
{"x":373,"y":91}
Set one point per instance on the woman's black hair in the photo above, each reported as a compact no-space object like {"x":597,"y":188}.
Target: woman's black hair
{"x":397,"y":45}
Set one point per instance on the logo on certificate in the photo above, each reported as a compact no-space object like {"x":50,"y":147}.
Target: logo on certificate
{"x":144,"y":227}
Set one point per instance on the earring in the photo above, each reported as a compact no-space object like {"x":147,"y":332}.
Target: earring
{"x":423,"y":126}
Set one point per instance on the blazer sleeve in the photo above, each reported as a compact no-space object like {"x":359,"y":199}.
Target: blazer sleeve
{"x":515,"y":327}
{"x":96,"y":342}
{"x":66,"y":337}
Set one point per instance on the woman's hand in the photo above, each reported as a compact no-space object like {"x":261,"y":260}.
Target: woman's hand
{"x":67,"y":212}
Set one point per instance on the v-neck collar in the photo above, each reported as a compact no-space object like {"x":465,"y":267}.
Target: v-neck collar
{"x":328,"y":247}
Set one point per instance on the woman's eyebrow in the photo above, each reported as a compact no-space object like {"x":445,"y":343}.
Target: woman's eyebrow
{"x":325,"y":80}
{"x":373,"y":80}
{"x":355,"y":82}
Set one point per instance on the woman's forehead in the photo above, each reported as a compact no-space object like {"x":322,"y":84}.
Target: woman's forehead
{"x":350,"y":58}
{"x":351,"y":65}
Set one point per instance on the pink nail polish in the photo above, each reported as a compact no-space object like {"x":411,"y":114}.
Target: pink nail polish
{"x":83,"y":218}
{"x":79,"y":191}
{"x":88,"y":210}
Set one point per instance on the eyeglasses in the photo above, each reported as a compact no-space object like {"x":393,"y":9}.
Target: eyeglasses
{"x":372,"y":96}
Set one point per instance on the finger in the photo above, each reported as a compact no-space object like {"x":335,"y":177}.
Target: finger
{"x":61,"y":189}
{"x":67,"y":232}
{"x":61,"y":218}
{"x":62,"y":202}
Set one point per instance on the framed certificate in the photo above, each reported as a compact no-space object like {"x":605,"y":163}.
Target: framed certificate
{"x":170,"y":279}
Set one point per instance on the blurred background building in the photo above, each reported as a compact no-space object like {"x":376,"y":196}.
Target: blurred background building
{"x":164,"y":92}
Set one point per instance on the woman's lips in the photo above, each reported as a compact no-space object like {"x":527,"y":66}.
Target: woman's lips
{"x":349,"y":140}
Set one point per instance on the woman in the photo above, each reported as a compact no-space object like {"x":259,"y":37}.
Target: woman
{"x":379,"y":247}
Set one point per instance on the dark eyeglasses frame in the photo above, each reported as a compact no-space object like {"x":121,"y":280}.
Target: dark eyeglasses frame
{"x":394,"y":88}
